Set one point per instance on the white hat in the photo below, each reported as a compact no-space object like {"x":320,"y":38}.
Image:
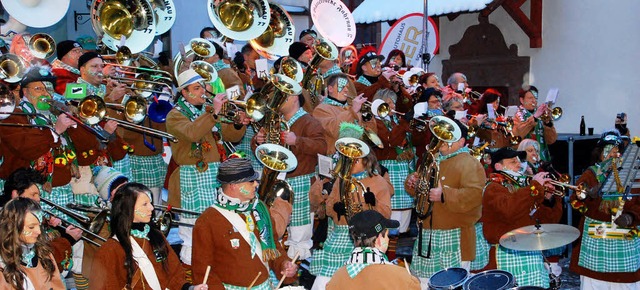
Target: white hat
{"x":37,"y":13}
{"x":188,"y":77}
{"x":103,"y":178}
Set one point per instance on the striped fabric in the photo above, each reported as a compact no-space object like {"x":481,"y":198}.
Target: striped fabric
{"x":608,"y":255}
{"x":198,"y":189}
{"x":123,"y":165}
{"x":482,"y":250}
{"x":266,"y":285}
{"x":526,"y":266}
{"x":148,"y":170}
{"x":301,"y":185}
{"x":337,"y":250}
{"x":398,"y":171}
{"x":445,"y":252}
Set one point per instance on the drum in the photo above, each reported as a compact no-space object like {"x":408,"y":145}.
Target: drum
{"x":490,"y":280}
{"x":451,"y":278}
{"x":528,"y":288}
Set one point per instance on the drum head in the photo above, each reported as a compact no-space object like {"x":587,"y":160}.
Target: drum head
{"x":448,"y":278}
{"x":528,"y":288}
{"x":490,"y":280}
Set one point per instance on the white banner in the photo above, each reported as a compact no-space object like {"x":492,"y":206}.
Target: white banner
{"x":407,"y":35}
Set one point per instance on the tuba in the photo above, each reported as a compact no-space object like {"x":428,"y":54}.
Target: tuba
{"x":351,"y":189}
{"x":240,"y":19}
{"x":274,"y":41}
{"x":272,"y":122}
{"x":275,"y":159}
{"x":325,"y":50}
{"x":113,"y":20}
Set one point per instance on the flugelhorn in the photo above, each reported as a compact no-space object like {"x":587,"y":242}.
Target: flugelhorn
{"x":275,"y":159}
{"x":351,"y":189}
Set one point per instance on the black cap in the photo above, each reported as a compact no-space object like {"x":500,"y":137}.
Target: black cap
{"x":370,"y":223}
{"x":64,"y":47}
{"x":296,"y":49}
{"x":308,"y":31}
{"x":87,"y":56}
{"x":37,"y":74}
{"x":366,"y":58}
{"x":236,"y":170}
{"x":609,"y":138}
{"x":505,"y":153}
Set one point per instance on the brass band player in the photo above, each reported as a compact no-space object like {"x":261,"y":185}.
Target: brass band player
{"x":528,"y":122}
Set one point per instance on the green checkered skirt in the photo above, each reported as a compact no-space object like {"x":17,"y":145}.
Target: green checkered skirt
{"x":482,"y":250}
{"x":608,"y":255}
{"x":266,"y":285}
{"x":526,"y":266}
{"x":148,"y":170}
{"x":445,"y":252}
{"x":300,"y":215}
{"x":398,"y":171}
{"x":198,"y":189}
{"x":337,"y":250}
{"x":245,"y":146}
{"x":60,"y":195}
{"x":124,"y":166}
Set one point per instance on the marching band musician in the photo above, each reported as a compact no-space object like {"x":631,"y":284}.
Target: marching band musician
{"x":533,"y":155}
{"x":308,"y":37}
{"x":528,"y":122}
{"x":396,"y":157}
{"x":396,"y":59}
{"x":301,"y":52}
{"x":137,"y":255}
{"x":305,"y":139}
{"x":334,"y":109}
{"x":454,"y":89}
{"x":250,"y":56}
{"x":347,"y":57}
{"x":421,"y":139}
{"x":370,"y":78}
{"x":486,"y":132}
{"x":377,"y":196}
{"x":65,"y":67}
{"x":27,"y":262}
{"x":448,"y":236}
{"x":227,"y":75}
{"x":511,"y":200}
{"x":429,"y":80}
{"x":235,"y":235}
{"x":201,"y":132}
{"x":368,"y":266}
{"x":606,"y":261}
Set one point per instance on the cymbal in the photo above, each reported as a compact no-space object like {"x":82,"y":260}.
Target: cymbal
{"x":547,"y":236}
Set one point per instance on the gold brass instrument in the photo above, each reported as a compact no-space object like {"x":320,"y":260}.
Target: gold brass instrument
{"x":113,"y":20}
{"x":351,"y":189}
{"x":41,"y":45}
{"x":165,"y":220}
{"x":324,"y":50}
{"x":92,"y":110}
{"x":204,"y":69}
{"x":275,"y":159}
{"x":89,"y":226}
{"x":240,"y":19}
{"x":562,"y":184}
{"x":554,"y":113}
{"x":12,"y":68}
{"x":275,"y":40}
{"x":142,"y":84}
{"x":478,"y":151}
{"x":272,"y":122}
{"x":134,"y":109}
{"x":7,"y":108}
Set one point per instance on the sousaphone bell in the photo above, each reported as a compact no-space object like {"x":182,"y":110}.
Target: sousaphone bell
{"x":275,"y":40}
{"x":132,"y":20}
{"x":240,"y":19}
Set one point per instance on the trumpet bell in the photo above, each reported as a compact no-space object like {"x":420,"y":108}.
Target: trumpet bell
{"x":92,"y":109}
{"x":124,"y":56}
{"x":380,"y":108}
{"x":7,"y":104}
{"x":276,"y":157}
{"x":240,"y":19}
{"x":12,"y":68}
{"x":556,"y":113}
{"x":135,"y":109}
{"x":274,"y":41}
{"x":42,"y":45}
{"x":205,"y":70}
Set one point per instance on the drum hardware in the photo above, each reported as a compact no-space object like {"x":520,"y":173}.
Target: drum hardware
{"x":491,"y":279}
{"x":539,"y":237}
{"x":450,"y":278}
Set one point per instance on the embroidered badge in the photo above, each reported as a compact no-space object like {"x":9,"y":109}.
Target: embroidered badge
{"x":235,"y":243}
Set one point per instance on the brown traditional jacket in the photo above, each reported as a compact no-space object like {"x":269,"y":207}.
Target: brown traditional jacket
{"x":374,"y":277}
{"x":217,"y":244}
{"x":39,"y":277}
{"x":396,"y":137}
{"x":330,"y":117}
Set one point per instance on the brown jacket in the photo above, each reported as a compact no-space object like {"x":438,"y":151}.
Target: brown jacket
{"x":330,"y":117}
{"x":109,"y":261}
{"x":404,"y":102}
{"x":522,"y":130}
{"x":504,"y":210}
{"x":462,"y":190}
{"x":396,"y":137}
{"x":213,"y":236}
{"x":39,"y":277}
{"x":374,"y":277}
{"x":188,"y":132}
{"x":230,"y":78}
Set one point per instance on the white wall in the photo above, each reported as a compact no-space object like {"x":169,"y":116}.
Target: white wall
{"x":589,"y":51}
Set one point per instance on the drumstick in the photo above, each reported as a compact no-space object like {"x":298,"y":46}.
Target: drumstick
{"x":295,"y":258}
{"x":254,"y":281}
{"x":406,"y":266}
{"x":206,"y":275}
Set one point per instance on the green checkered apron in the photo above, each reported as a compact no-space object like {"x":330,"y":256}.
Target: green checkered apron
{"x":245,"y":146}
{"x":608,"y":255}
{"x":526,"y":266}
{"x":60,"y":195}
{"x":337,"y":250}
{"x":266,"y":285}
{"x":398,"y":171}
{"x":2,"y":181}
{"x":124,"y":166}
{"x":482,"y":250}
{"x":86,"y":199}
{"x":148,"y":170}
{"x":445,"y":252}
{"x":301,"y":185}
{"x":198,"y":189}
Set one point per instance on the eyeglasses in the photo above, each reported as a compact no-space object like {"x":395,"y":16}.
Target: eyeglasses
{"x":374,"y":63}
{"x":39,"y":90}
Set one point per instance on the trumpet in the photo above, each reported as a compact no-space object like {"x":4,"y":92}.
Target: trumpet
{"x":478,"y":151}
{"x":554,"y":113}
{"x":89,"y":226}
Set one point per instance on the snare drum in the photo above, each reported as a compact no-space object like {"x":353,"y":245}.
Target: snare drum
{"x":490,"y":280}
{"x":451,"y":278}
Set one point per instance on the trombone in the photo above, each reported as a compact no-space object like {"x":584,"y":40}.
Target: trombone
{"x":12,"y":68}
{"x":165,"y":220}
{"x":89,"y":226}
{"x":142,"y":83}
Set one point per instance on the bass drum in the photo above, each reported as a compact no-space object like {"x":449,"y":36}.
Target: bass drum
{"x":490,"y":280}
{"x":450,"y":278}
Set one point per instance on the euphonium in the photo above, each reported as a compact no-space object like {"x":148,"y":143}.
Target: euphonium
{"x":325,"y":50}
{"x":351,"y":189}
{"x":275,"y":159}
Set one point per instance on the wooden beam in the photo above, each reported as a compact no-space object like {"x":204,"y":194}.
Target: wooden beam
{"x":453,"y":16}
{"x":532,"y":26}
{"x":491,"y":7}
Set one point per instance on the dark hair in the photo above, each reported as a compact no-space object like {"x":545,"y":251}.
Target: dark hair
{"x":239,"y":61}
{"x":219,"y":50}
{"x":122,"y":211}
{"x":393,"y":54}
{"x":12,"y":219}
{"x":207,"y":29}
{"x":489,"y":96}
{"x":247,"y":48}
{"x":301,"y":100}
{"x":19,"y":180}
{"x":423,"y":78}
{"x":523,"y":92}
{"x":164,"y":57}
